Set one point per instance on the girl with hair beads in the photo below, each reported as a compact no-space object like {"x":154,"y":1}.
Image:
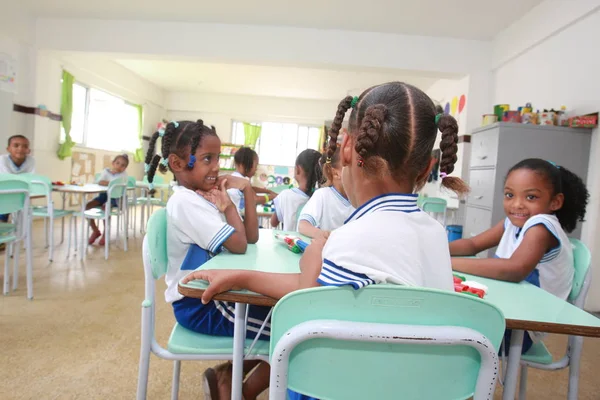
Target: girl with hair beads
{"x":385,"y":159}
{"x":119,"y":165}
{"x":308,"y":174}
{"x":542,"y":201}
{"x":201,"y":221}
{"x":328,"y":208}
{"x":246,"y":163}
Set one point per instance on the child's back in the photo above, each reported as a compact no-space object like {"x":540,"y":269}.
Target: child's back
{"x":287,"y":205}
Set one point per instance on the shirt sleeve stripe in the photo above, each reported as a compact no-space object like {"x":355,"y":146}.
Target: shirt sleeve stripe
{"x":215,"y":244}
{"x":308,"y":218}
{"x":334,"y":275}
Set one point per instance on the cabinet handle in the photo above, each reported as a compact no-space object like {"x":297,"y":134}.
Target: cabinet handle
{"x":478,"y":197}
{"x":482,"y":157}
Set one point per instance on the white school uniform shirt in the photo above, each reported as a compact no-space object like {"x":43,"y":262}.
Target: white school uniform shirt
{"x":327,"y":209}
{"x":106,"y":175}
{"x":7,"y":166}
{"x":191,"y":220}
{"x":556,"y":269}
{"x":287,"y":204}
{"x":388,"y":240}
{"x":237,"y":196}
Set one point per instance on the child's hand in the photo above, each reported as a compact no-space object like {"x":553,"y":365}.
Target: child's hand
{"x":219,"y":281}
{"x":323,"y":235}
{"x":218,"y":197}
{"x":233,"y":182}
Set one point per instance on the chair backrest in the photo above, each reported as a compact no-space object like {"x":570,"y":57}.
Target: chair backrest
{"x":96,"y":176}
{"x":13,"y":194}
{"x":116,"y":188}
{"x":281,"y":188}
{"x":40,"y":185}
{"x":582,"y":278}
{"x":327,"y":368}
{"x":434,"y":204}
{"x":131,"y":182}
{"x":156,"y":237}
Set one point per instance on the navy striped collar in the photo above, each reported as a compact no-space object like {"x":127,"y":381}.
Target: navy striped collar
{"x":344,"y":200}
{"x":300,"y":192}
{"x":387,"y":202}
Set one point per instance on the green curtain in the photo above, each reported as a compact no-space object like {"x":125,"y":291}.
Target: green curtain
{"x":251,"y":134}
{"x":66,"y":111}
{"x":322,"y":138}
{"x":139,"y":152}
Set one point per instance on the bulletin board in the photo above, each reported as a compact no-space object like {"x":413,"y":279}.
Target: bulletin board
{"x":83,"y":169}
{"x":107,"y":161}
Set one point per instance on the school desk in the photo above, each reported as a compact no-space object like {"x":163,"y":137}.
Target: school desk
{"x":82,"y":191}
{"x":525,"y":306}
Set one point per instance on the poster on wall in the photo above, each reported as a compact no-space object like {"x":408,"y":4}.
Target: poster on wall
{"x":8,"y":73}
{"x":83,"y":168}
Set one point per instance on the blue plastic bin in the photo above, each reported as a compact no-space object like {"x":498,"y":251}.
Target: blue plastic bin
{"x":454,"y":232}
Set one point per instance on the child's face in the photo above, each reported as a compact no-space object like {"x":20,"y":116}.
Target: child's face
{"x":527,"y":193}
{"x":206,"y":169}
{"x":18,"y":149}
{"x":252,"y":170}
{"x":119,"y":165}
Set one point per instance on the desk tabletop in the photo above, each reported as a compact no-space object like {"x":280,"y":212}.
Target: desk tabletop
{"x":88,"y":188}
{"x":524,"y":306}
{"x":146,"y":185}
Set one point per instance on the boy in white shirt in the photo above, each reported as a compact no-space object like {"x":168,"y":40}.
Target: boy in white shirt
{"x":17,"y":161}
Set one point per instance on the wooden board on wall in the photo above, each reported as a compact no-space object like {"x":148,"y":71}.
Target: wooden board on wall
{"x":83,"y":170}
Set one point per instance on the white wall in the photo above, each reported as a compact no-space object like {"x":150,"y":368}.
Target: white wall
{"x":109,"y":77}
{"x":219,"y":110}
{"x":561,"y":69}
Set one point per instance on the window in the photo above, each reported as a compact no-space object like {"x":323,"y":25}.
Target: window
{"x":280,"y":143}
{"x":103,"y":121}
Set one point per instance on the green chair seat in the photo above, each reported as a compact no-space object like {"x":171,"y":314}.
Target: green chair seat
{"x":7,"y":238}
{"x":184,"y":341}
{"x":538,"y":353}
{"x":43,"y":212}
{"x":6,"y":228}
{"x":98,"y":213}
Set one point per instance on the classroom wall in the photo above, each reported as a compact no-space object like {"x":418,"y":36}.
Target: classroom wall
{"x":559,"y":69}
{"x":111,"y":78}
{"x":220,"y":109}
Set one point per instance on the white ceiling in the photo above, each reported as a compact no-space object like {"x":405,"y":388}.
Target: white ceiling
{"x":469,"y":19}
{"x":303,"y":83}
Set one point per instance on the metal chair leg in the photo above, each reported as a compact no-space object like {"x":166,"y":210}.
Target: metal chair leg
{"x":523,"y":383}
{"x":175,"y":385}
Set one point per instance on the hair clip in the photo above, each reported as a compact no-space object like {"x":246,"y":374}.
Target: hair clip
{"x":146,"y":168}
{"x":165,"y":162}
{"x":328,"y":160}
{"x":192,"y":161}
{"x":175,"y":124}
{"x":151,"y":186}
{"x":437,"y":119}
{"x":553,"y":163}
{"x":161,"y":132}
{"x":360,"y":162}
{"x":443,"y":174}
{"x":354,"y":102}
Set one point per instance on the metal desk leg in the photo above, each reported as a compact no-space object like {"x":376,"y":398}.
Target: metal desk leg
{"x":83,"y":238}
{"x":514,"y":361}
{"x":62,"y":224}
{"x":239,"y":339}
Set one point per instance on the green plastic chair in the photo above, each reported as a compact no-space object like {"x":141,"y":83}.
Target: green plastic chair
{"x":435,"y":205}
{"x":384,"y":342}
{"x":42,"y":186}
{"x":183,"y":344}
{"x":14,"y":199}
{"x":132,"y":202}
{"x":538,"y":356}
{"x":148,"y":202}
{"x":117,"y":189}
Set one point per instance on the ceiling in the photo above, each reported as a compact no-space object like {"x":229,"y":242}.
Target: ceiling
{"x":277,"y":81}
{"x":468,"y":19}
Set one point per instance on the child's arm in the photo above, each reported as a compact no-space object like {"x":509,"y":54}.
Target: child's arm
{"x":476,"y":244}
{"x":270,"y":284}
{"x":271,"y":193}
{"x":274,"y":220}
{"x":537,"y":241}
{"x":306,"y":229}
{"x":250,"y":217}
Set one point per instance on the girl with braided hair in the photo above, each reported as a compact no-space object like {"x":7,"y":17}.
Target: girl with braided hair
{"x":201,"y":221}
{"x":385,"y":159}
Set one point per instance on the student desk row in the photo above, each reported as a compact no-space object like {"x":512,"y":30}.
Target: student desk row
{"x":525,"y":306}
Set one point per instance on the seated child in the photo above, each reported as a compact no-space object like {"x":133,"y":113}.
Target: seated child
{"x":328,"y":208}
{"x":117,"y":171}
{"x":201,"y":222}
{"x":308,"y":174}
{"x":542,"y":201}
{"x":385,"y":159}
{"x":17,"y":161}
{"x":246,"y":162}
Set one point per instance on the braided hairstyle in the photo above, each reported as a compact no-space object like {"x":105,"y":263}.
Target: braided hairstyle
{"x":309,"y":161}
{"x":394,"y":125}
{"x":245,"y":157}
{"x":181,"y":138}
{"x":562,"y":181}
{"x":329,"y":161}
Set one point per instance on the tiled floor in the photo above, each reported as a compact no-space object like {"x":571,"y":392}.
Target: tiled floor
{"x":79,"y":337}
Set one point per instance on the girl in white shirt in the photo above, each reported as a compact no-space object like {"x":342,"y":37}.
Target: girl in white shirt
{"x":386,"y":158}
{"x":329,"y":207}
{"x":246,"y":163}
{"x":308,"y":174}
{"x":542,"y":201}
